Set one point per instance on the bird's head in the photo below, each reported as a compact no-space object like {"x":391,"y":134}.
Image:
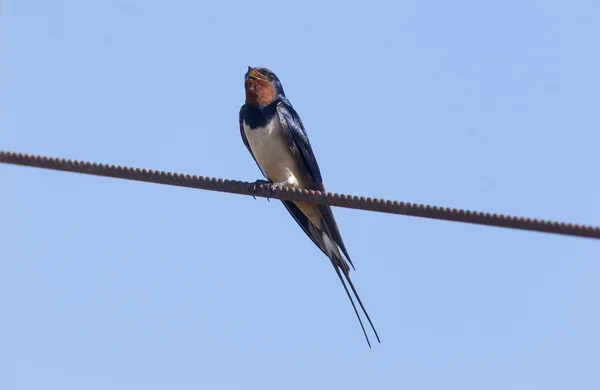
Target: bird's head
{"x":262,"y":86}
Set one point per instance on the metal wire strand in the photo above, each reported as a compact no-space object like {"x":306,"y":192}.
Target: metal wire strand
{"x":333,"y":199}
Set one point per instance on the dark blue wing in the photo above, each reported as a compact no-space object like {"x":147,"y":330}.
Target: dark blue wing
{"x":297,"y":139}
{"x":300,"y":145}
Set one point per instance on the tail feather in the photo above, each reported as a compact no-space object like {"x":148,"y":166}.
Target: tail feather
{"x":337,"y":259}
{"x":333,"y":231}
{"x":362,"y":326}
{"x":333,"y":252}
{"x":347,"y":275}
{"x":327,"y":242}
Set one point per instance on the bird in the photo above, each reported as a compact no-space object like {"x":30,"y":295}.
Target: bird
{"x":277,"y":140}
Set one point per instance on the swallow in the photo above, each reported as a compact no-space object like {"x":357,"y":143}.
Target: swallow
{"x":275,"y":137}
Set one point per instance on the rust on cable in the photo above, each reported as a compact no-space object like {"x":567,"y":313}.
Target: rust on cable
{"x":333,"y":199}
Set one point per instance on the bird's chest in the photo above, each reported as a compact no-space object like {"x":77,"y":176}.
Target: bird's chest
{"x":271,"y":151}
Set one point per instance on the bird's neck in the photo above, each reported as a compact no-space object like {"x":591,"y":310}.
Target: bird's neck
{"x":259,"y":115}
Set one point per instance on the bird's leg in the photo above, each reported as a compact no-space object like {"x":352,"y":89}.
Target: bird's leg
{"x":254,"y":186}
{"x":287,"y":182}
{"x":271,"y":186}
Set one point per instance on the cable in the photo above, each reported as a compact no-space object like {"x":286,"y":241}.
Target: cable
{"x":333,"y":199}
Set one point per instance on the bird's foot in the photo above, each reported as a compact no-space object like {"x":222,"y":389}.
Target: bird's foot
{"x":273,"y":186}
{"x":254,"y":186}
{"x":270,"y":186}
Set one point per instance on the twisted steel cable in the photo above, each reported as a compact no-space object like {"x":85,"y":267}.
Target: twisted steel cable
{"x":333,"y":199}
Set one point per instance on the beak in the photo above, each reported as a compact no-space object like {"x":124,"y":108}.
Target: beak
{"x":254,"y":74}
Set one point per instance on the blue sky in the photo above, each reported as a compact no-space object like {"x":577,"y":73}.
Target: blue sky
{"x":108,"y":283}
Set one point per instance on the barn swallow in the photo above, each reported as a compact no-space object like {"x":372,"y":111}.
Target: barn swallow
{"x":275,"y":136}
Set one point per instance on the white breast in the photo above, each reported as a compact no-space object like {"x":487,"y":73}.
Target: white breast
{"x":270,"y":148}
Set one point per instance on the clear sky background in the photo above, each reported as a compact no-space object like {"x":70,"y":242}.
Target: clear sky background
{"x":113,"y":284}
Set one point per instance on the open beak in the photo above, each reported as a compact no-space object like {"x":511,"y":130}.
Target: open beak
{"x":254,"y":74}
